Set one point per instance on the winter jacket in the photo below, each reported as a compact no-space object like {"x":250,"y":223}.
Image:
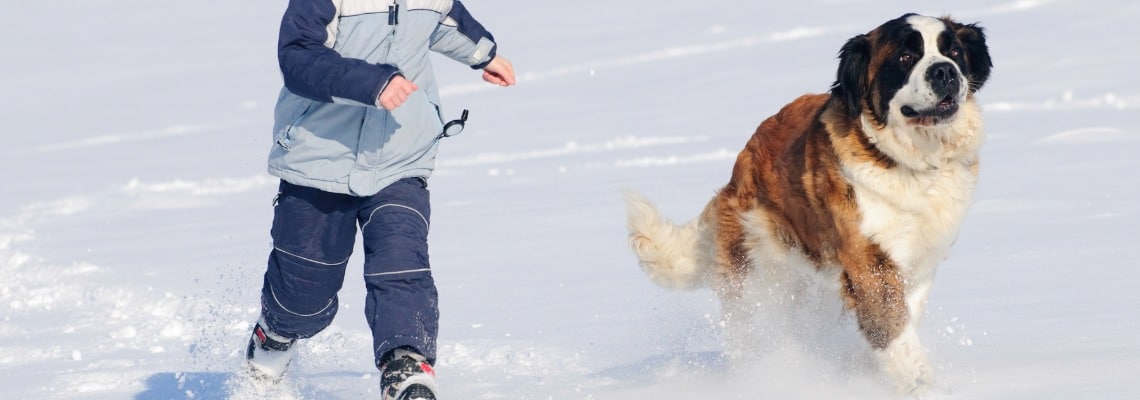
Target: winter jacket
{"x":336,"y":56}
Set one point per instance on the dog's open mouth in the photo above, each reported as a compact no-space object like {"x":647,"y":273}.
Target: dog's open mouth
{"x":942,"y":111}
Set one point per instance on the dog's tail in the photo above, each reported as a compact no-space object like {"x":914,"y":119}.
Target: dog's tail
{"x":672,"y":255}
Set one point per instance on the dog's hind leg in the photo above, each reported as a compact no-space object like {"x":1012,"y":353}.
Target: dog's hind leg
{"x":730,"y":267}
{"x":737,"y":321}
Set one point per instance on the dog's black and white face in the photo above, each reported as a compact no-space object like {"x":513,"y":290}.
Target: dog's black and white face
{"x":913,"y":70}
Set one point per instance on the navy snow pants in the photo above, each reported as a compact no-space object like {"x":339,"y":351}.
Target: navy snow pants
{"x":313,"y":236}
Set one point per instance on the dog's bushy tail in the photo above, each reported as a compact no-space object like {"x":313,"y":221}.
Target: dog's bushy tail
{"x":670,"y":254}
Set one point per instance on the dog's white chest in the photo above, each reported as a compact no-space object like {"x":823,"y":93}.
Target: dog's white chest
{"x":913,"y":216}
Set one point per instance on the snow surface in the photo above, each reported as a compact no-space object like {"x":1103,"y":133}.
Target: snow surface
{"x":135,"y":212}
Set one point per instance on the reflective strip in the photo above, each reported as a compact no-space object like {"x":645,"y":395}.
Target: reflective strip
{"x":440,"y":6}
{"x":312,"y":260}
{"x":482,"y":51}
{"x":395,"y":205}
{"x":399,"y":272}
{"x":294,"y":312}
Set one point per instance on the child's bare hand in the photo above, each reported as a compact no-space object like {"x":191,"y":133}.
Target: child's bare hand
{"x":499,"y":72}
{"x":396,"y":92}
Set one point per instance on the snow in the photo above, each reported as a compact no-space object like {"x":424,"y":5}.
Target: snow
{"x":135,"y":215}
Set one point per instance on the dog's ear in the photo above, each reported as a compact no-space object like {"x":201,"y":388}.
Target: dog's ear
{"x":851,"y":80}
{"x":977,"y":54}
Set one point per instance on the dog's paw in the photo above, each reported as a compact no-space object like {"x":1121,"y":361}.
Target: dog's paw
{"x":904,"y":362}
{"x":919,"y":383}
{"x":913,"y":378}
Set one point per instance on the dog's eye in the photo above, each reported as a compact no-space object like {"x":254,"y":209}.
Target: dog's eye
{"x":954,"y":52}
{"x":906,"y":58}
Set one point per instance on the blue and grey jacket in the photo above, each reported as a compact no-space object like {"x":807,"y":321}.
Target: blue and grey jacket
{"x":336,"y":57}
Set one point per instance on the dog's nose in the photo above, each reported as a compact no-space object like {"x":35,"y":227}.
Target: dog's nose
{"x":943,"y":78}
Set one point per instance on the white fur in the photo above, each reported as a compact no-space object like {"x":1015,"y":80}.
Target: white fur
{"x":670,"y":254}
{"x":905,"y":362}
{"x":914,"y":211}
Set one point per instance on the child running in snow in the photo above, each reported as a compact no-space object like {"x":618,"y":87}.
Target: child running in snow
{"x":356,"y":130}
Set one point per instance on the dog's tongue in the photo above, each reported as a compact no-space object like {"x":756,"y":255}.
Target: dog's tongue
{"x":946,"y":103}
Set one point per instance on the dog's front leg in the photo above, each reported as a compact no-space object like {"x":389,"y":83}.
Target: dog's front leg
{"x":875,"y":291}
{"x":904,"y":361}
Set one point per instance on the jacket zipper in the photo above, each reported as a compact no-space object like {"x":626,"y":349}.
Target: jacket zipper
{"x":286,"y":137}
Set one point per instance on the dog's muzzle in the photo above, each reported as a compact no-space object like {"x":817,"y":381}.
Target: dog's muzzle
{"x":945,"y":83}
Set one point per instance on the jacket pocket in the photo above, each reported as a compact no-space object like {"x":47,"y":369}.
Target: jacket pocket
{"x":409,"y":132}
{"x":284,"y":136}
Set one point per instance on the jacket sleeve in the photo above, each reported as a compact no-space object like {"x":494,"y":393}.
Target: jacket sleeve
{"x":313,"y":70}
{"x":461,"y":38}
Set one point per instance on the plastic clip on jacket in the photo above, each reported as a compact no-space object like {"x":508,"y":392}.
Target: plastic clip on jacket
{"x":453,"y":127}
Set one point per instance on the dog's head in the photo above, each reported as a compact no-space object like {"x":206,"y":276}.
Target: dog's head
{"x":913,"y":70}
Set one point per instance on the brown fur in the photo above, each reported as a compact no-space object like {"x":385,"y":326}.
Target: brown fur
{"x":789,"y":174}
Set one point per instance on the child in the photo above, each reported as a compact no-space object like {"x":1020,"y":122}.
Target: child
{"x":356,"y":130}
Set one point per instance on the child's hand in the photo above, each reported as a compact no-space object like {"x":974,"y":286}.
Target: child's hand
{"x":499,"y":72}
{"x":396,"y":92}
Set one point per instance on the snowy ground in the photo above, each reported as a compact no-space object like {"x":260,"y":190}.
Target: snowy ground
{"x":135,"y":212}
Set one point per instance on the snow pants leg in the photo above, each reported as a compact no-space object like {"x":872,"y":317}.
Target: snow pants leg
{"x":313,"y":236}
{"x":402,"y":304}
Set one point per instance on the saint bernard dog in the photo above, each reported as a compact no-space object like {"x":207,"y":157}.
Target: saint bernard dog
{"x":858,"y":193}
